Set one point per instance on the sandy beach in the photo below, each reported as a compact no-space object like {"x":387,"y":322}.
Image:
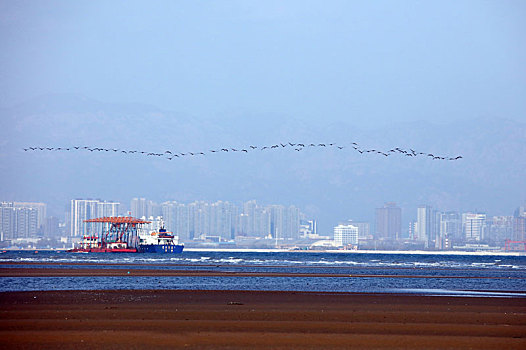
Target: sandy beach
{"x":169,"y":319}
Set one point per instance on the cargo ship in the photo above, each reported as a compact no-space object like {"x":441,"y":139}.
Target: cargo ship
{"x":121,"y":235}
{"x":93,"y":244}
{"x":160,"y":242}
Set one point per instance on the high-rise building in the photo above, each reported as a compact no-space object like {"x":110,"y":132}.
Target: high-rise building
{"x":428,"y":226}
{"x":26,"y":222}
{"x":7,"y":221}
{"x":474,"y":226}
{"x":450,"y":229}
{"x":85,"y":209}
{"x":389,"y":222}
{"x":519,"y":224}
{"x":81,"y":210}
{"x":364,"y":228}
{"x":41,"y":209}
{"x":175,"y":217}
{"x":499,"y":229}
{"x":18,"y":221}
{"x":277,"y":221}
{"x":105,"y":208}
{"x":51,"y":227}
{"x":138,"y":207}
{"x":345,"y":234}
{"x":223,"y":220}
{"x":292,"y":223}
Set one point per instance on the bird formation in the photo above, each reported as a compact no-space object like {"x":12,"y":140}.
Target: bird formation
{"x":298,"y":147}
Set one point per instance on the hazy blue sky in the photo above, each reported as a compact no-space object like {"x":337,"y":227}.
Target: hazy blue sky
{"x":367,"y":62}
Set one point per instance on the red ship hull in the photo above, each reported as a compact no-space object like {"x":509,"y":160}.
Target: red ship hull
{"x":102,"y":250}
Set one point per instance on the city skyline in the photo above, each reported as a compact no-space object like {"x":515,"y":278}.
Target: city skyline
{"x":222,"y":221}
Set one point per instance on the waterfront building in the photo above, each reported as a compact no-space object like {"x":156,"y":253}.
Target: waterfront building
{"x":85,"y":209}
{"x":499,"y":229}
{"x":292,"y":223}
{"x":364,"y":228}
{"x":19,"y":221}
{"x":175,"y":217}
{"x":51,"y":227}
{"x":277,"y":221}
{"x":345,"y":234}
{"x":473,"y":226}
{"x":107,"y":209}
{"x":41,"y":209}
{"x":450,"y":229}
{"x":519,"y":224}
{"x":428,"y":227}
{"x":308,"y":228}
{"x":138,"y":207}
{"x":388,"y":222}
{"x":225,"y":220}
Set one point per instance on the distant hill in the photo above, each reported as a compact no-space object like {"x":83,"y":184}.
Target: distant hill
{"x":328,"y":183}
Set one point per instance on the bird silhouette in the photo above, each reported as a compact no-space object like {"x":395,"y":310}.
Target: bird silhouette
{"x":297,"y":147}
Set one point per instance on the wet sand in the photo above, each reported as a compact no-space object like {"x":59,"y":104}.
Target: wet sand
{"x":175,"y":319}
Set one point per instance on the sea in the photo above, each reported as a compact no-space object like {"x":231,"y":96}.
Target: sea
{"x":428,"y":274}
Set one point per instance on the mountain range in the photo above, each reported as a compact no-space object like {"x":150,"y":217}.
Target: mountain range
{"x":327,"y":183}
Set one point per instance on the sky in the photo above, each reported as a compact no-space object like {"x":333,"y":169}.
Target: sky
{"x":368,"y":62}
{"x":441,"y":76}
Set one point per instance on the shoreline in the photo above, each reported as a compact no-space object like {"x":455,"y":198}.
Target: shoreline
{"x":272,"y":250}
{"x":167,"y":319}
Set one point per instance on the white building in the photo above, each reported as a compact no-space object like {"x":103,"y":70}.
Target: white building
{"x":345,"y":234}
{"x":19,"y":221}
{"x":85,"y":209}
{"x":474,"y":226}
{"x":110,"y":209}
{"x":41,"y":209}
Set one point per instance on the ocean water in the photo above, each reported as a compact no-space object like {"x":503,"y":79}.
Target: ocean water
{"x":463,"y":275}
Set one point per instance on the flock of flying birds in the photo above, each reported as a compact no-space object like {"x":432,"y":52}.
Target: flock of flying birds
{"x":170,"y":155}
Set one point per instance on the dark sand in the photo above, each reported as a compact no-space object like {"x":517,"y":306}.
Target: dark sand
{"x":146,"y":319}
